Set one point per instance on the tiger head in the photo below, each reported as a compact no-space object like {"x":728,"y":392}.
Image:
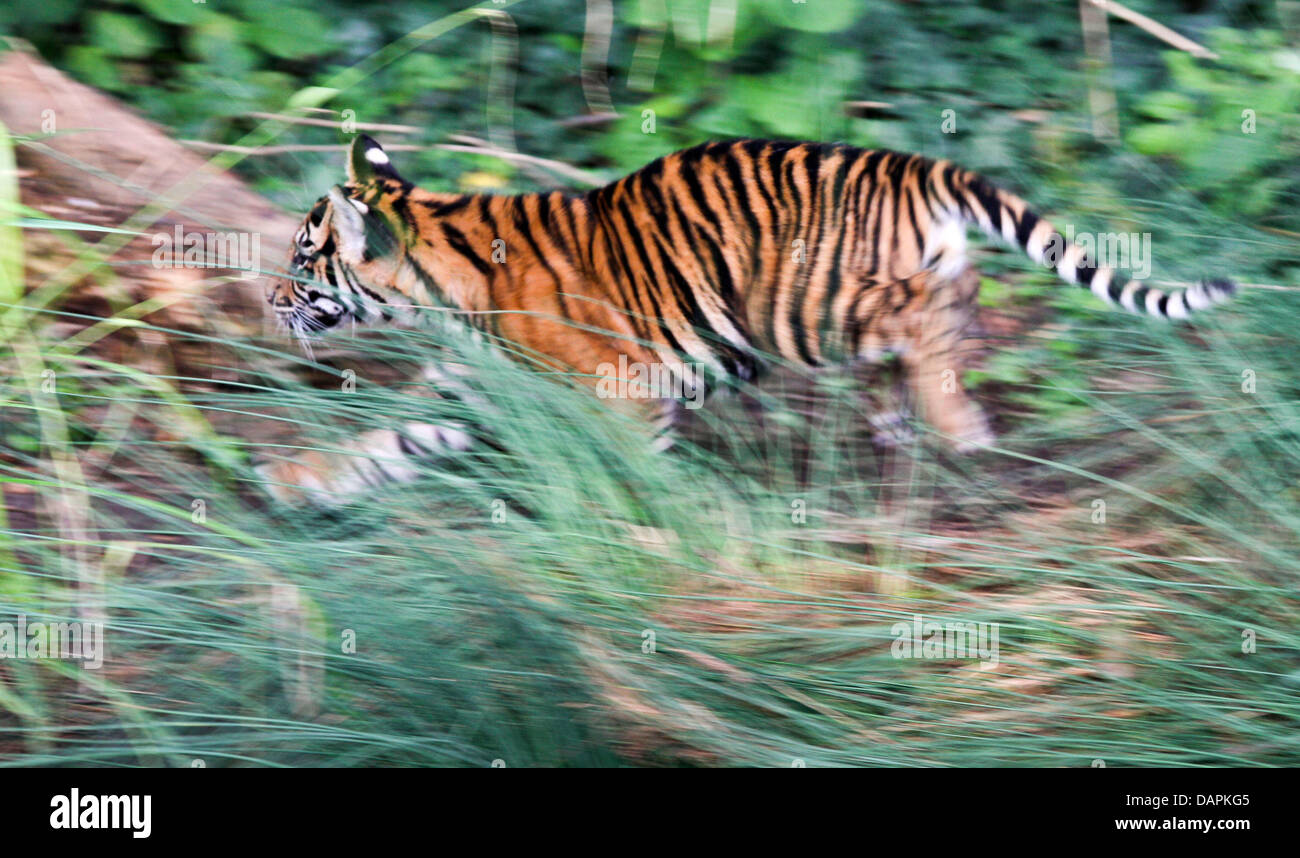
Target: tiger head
{"x":347,"y":252}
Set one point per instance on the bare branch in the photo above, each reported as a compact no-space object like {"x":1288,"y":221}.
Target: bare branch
{"x":332,"y":123}
{"x":1101,"y":91}
{"x":1155,"y":28}
{"x":557,"y":167}
{"x":472,"y":145}
{"x":287,"y":148}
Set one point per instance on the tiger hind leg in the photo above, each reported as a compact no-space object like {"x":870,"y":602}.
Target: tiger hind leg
{"x":923,"y":318}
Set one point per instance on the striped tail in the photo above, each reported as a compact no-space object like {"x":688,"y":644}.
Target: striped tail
{"x":1005,"y":216}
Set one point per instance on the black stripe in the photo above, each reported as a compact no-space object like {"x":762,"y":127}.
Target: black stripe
{"x":1024,"y":229}
{"x":686,"y":295}
{"x":624,"y":277}
{"x":486,"y":214}
{"x":834,"y":276}
{"x":875,"y":210}
{"x":648,"y":275}
{"x":568,"y":213}
{"x":836,"y":282}
{"x":768,"y":200}
{"x":812,"y":164}
{"x":787,"y":176}
{"x":1116,"y":287}
{"x":401,"y":207}
{"x":442,"y":209}
{"x":988,"y":198}
{"x":722,"y":272}
{"x":692,"y":156}
{"x":456,"y":239}
{"x":524,"y":228}
{"x":550,"y":224}
{"x":906,"y":286}
{"x":873,"y":188}
{"x":701,"y":201}
{"x":895,"y":175}
{"x":742,"y":193}
{"x":424,"y":277}
{"x":411,"y":448}
{"x":1140,"y":298}
{"x":949,"y":173}
{"x":916,"y":225}
{"x":652,"y":197}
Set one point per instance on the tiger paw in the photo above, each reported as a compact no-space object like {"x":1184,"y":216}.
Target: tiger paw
{"x":892,"y":429}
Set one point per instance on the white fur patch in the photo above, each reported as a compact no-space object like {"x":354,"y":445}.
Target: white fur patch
{"x":1036,"y":247}
{"x":1068,"y":269}
{"x":1100,"y":285}
{"x":1126,"y":297}
{"x":1196,"y":297}
{"x":946,"y":246}
{"x":359,"y":206}
{"x":439,"y":439}
{"x":376,"y":156}
{"x":1008,"y":227}
{"x":1177,"y":307}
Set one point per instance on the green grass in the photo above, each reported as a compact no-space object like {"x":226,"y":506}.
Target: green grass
{"x":501,"y":605}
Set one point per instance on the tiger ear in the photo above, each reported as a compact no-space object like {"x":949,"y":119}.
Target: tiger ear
{"x":349,"y":227}
{"x":367,"y":160}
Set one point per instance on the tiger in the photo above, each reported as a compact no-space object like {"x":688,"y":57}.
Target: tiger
{"x":710,"y":263}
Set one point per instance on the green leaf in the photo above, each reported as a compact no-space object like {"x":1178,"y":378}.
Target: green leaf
{"x":286,"y":32}
{"x":1168,"y":106}
{"x":813,"y":16}
{"x":1159,"y":139}
{"x":311,"y":96}
{"x":94,"y":66}
{"x":176,"y":11}
{"x":122,"y":35}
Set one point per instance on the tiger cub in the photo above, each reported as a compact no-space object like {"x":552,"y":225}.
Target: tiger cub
{"x":701,"y":263}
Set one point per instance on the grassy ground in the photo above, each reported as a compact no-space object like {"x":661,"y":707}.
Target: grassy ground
{"x":579,"y":600}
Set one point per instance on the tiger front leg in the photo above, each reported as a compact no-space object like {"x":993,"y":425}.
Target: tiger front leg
{"x":333,"y":477}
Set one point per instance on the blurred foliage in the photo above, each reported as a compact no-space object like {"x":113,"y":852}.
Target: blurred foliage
{"x":682,"y":71}
{"x":707,"y":69}
{"x":1256,"y":84}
